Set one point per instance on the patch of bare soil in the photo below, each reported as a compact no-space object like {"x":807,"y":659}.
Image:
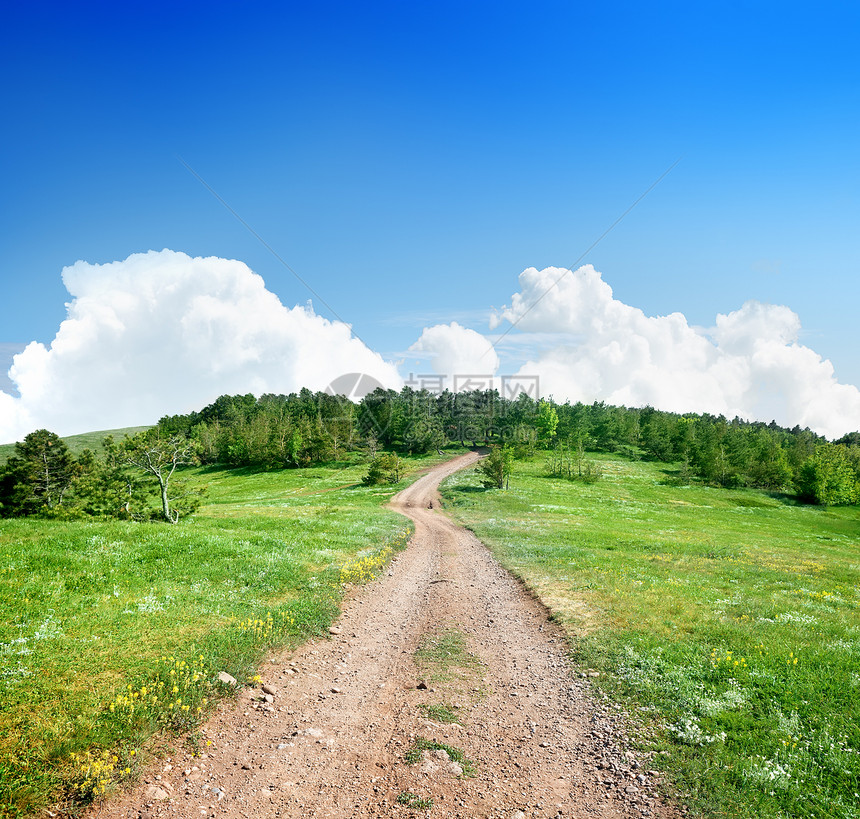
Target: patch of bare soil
{"x":358,"y":725}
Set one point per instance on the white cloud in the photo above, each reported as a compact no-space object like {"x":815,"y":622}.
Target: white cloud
{"x":161,"y":333}
{"x":750,"y":364}
{"x":456,"y":350}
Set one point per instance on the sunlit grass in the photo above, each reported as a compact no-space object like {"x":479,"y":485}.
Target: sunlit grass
{"x":733,"y":617}
{"x":441,"y":712}
{"x":95,"y":614}
{"x":443,"y":657}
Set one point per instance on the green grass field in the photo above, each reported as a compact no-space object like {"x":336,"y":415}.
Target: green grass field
{"x":98,"y":618}
{"x":78,"y":443}
{"x":728,"y":620}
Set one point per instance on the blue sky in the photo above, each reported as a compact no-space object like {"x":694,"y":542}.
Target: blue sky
{"x":409,"y":160}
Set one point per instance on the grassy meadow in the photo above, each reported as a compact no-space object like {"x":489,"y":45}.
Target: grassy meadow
{"x":730,"y":620}
{"x":112,"y":631}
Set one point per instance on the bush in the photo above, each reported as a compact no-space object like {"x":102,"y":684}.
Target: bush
{"x":385,"y":468}
{"x":497,"y":467}
{"x":591,"y":472}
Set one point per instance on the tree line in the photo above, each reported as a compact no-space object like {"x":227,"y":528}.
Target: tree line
{"x":132,"y":479}
{"x":277,"y":431}
{"x":137,"y":477}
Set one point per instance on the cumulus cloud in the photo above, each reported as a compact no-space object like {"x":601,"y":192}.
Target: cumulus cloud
{"x":161,"y":333}
{"x":750,"y":364}
{"x":456,"y":350}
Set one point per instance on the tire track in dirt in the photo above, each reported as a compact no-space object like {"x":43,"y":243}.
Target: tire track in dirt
{"x":346,"y":710}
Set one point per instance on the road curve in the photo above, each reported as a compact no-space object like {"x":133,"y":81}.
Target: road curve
{"x":347,"y":709}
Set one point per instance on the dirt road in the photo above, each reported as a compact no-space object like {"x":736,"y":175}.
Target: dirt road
{"x":345,"y":713}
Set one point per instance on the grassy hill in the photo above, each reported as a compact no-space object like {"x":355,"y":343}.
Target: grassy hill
{"x":730,"y":620}
{"x":78,"y":443}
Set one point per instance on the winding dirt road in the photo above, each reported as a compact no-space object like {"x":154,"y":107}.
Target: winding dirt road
{"x":345,"y":711}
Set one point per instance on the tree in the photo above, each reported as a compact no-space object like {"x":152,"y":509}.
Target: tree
{"x":572,"y":464}
{"x":497,"y":467}
{"x":38,"y":476}
{"x":828,"y":477}
{"x":372,"y":444}
{"x":465,"y":417}
{"x":656,"y":430}
{"x":159,"y":456}
{"x":769,"y":466}
{"x":377,"y":414}
{"x":524,"y":438}
{"x":109,"y":487}
{"x":546,"y":423}
{"x":423,"y":434}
